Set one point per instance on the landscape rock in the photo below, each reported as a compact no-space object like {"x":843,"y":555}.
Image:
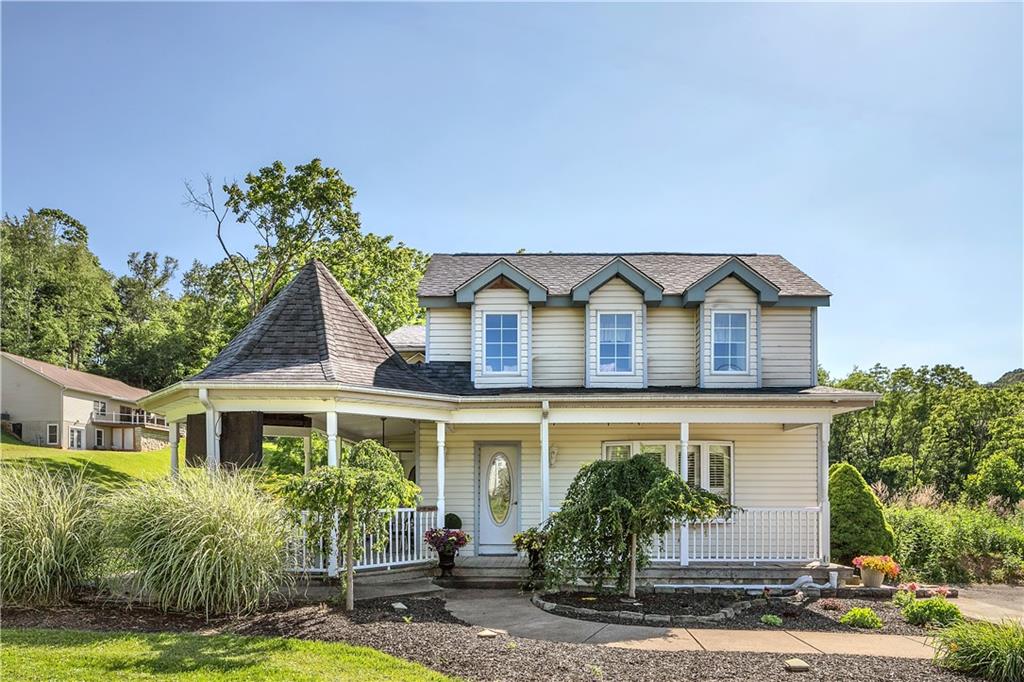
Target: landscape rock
{"x":487,"y":634}
{"x":399,"y":606}
{"x":796,"y":665}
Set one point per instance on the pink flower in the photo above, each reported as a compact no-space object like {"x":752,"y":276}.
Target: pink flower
{"x":912,"y":587}
{"x":942,"y":590}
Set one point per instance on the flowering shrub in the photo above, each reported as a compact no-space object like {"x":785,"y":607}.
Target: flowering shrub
{"x":910,"y":587}
{"x":446,"y":539}
{"x":883,"y":563}
{"x":941,"y":590}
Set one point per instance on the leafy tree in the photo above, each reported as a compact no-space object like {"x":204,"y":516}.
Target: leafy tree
{"x":361,"y":494}
{"x":612,"y":510}
{"x":56,"y":298}
{"x":303,"y":214}
{"x":857,"y":523}
{"x":999,"y":476}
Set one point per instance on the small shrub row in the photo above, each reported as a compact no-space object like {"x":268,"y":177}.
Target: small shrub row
{"x":200,"y":544}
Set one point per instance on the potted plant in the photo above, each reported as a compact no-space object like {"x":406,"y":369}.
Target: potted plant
{"x":446,"y":542}
{"x":874,"y":569}
{"x":532,"y":542}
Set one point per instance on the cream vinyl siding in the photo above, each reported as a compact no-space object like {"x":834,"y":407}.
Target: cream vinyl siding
{"x":616,"y":296}
{"x":671,"y":351}
{"x":729,"y":295}
{"x":558,"y":347}
{"x":786,"y":351}
{"x":501,"y":300}
{"x":31,"y":400}
{"x":448,"y":334}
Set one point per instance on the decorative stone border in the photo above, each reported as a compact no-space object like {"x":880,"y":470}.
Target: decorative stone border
{"x":637,"y":618}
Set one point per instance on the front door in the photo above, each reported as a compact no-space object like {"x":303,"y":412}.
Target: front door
{"x":77,"y":439}
{"x":498,"y":497}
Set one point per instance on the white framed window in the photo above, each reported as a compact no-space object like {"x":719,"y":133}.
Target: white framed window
{"x":99,"y":438}
{"x":615,"y":343}
{"x":628,"y":448}
{"x":52,"y":434}
{"x":729,"y":334}
{"x":99,"y":407}
{"x":709,"y":465}
{"x":501,"y":343}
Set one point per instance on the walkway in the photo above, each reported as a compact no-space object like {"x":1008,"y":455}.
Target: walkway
{"x":511,"y":612}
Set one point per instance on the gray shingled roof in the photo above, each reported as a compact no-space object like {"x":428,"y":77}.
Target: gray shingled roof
{"x":313,"y":332}
{"x":80,"y":381}
{"x":560,"y":272}
{"x":409,"y":337}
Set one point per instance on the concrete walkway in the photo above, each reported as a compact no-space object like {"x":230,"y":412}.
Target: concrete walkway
{"x":510,"y":612}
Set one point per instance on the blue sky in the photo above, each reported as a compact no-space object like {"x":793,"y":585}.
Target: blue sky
{"x":878,"y":147}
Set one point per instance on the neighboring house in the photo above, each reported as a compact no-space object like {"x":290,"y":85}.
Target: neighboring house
{"x":538,"y":364}
{"x":411,"y":342}
{"x":48,"y":405}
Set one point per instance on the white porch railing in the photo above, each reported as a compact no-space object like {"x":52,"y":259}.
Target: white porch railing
{"x":749,"y":535}
{"x":402,"y":545}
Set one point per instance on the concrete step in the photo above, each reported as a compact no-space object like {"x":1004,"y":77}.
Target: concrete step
{"x":374,"y":576}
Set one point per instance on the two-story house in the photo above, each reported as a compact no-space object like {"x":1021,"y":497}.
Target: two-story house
{"x":534,"y":365}
{"x":49,"y":405}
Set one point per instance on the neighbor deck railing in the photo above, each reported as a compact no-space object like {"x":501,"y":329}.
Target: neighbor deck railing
{"x":401,"y":544}
{"x":763,"y":534}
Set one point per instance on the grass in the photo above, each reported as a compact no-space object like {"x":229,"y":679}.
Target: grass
{"x":76,"y":655}
{"x":103,"y":467}
{"x":992,"y":651}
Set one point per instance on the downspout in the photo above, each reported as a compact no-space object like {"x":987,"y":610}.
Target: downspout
{"x":60,"y":434}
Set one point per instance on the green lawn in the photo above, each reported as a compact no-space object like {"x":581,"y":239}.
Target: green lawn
{"x":103,"y":466}
{"x":79,"y":655}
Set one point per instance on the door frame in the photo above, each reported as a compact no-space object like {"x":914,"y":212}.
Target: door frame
{"x":517,"y":492}
{"x":71,"y":438}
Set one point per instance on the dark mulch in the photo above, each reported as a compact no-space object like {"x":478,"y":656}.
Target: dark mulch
{"x":437,"y":640}
{"x":667,"y":604}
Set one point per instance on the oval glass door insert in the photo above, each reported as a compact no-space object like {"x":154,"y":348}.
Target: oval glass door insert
{"x":499,"y":488}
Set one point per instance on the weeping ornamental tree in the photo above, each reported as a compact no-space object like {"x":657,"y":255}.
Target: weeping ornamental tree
{"x":362,"y":493}
{"x":612,"y":511}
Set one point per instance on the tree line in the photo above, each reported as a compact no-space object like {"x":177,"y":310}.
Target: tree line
{"x":60,"y":305}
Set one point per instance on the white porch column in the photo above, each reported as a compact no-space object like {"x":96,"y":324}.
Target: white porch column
{"x":545,"y":465}
{"x":332,"y":439}
{"x":684,"y":473}
{"x":173,"y":438}
{"x":307,"y":453}
{"x":332,"y":461}
{"x":440,"y":474}
{"x":212,"y":437}
{"x":825,"y":515}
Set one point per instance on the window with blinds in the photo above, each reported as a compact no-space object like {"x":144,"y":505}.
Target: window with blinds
{"x":709,"y":466}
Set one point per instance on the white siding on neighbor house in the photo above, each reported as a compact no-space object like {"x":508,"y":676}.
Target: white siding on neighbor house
{"x":671,"y":350}
{"x":729,"y":295}
{"x":772,"y":467}
{"x":31,"y":401}
{"x":448,"y":334}
{"x":786,"y":347}
{"x":616,"y":296}
{"x":558,"y":347}
{"x":498,"y":299}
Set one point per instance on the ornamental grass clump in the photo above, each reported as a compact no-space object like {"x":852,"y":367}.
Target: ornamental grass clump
{"x":207,"y":544}
{"x":988,"y":650}
{"x":51,"y":536}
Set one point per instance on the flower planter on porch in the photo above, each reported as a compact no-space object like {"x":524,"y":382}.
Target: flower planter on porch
{"x":446,"y":562}
{"x":871,"y":578}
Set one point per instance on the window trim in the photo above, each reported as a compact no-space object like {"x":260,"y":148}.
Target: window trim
{"x":483,"y":332}
{"x":632,"y":344}
{"x":746,"y":343}
{"x":671,"y":448}
{"x":56,"y":434}
{"x":704,"y":464}
{"x":101,"y":412}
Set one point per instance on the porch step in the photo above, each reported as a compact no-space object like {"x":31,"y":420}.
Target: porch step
{"x":377,"y":576}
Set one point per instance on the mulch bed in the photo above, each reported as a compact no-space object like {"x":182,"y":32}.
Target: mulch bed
{"x":438,"y":640}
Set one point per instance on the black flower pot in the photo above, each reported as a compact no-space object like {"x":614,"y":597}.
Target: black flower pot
{"x":446,"y":562}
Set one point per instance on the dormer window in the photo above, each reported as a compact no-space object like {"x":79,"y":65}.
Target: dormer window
{"x":501,"y":343}
{"x":615,"y":344}
{"x":729,"y":330}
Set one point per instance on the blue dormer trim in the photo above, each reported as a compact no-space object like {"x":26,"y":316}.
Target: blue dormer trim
{"x":767,"y":293}
{"x":618,"y":267}
{"x":535,"y":293}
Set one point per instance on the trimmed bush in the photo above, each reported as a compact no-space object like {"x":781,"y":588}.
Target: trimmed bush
{"x":861,"y":617}
{"x":50,"y":533}
{"x":987,"y":650}
{"x":858,"y":525}
{"x":203,"y":544}
{"x":934,"y":610}
{"x":957,"y":543}
{"x":772,"y":620}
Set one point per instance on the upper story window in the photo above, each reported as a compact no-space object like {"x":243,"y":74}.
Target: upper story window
{"x":615,"y":343}
{"x":729,"y":332}
{"x":501,"y":343}
{"x":99,"y":407}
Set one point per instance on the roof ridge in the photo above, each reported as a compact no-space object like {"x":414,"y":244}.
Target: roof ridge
{"x":500,"y":254}
{"x":347,"y":299}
